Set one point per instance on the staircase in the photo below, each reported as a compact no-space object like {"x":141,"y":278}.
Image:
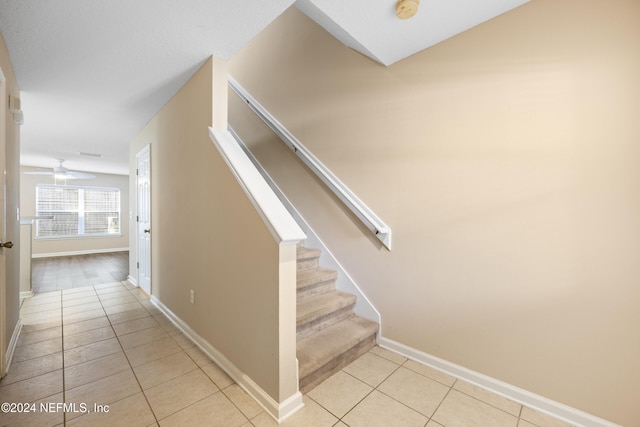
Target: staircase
{"x":329,"y":334}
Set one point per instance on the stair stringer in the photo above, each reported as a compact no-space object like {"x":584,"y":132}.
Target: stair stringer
{"x":344,"y":282}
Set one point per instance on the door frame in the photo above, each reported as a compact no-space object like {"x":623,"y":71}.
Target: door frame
{"x":144,"y":151}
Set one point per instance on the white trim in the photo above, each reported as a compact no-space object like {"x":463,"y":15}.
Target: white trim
{"x":26,"y":294}
{"x":12,"y":347}
{"x":132,"y":280}
{"x":86,"y":252}
{"x":279,"y":411}
{"x":344,"y":282}
{"x":370,"y":220}
{"x":79,"y":187}
{"x":80,"y":236}
{"x":539,"y":403}
{"x":277,"y":219}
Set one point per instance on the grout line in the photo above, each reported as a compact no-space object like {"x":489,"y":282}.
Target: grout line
{"x":198,"y":367}
{"x":442,"y":401}
{"x":409,"y":407}
{"x":373,"y":388}
{"x":155,"y":417}
{"x":64,"y":391}
{"x":124,"y":353}
{"x":221,"y":390}
{"x":427,"y":376}
{"x":452,"y":386}
{"x":306,"y":396}
{"x":487,"y":403}
{"x":520,"y":415}
{"x":64,"y":387}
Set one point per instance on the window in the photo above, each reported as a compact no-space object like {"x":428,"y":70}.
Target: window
{"x":77,"y":211}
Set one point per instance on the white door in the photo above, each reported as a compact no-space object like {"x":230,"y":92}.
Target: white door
{"x":143,"y":166}
{"x":3,"y":226}
{"x":5,"y":238}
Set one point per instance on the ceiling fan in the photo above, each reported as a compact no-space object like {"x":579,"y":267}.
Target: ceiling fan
{"x":60,"y":172}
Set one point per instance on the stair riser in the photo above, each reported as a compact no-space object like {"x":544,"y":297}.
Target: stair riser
{"x":311,"y":277}
{"x":315,"y":289}
{"x":309,"y":328}
{"x":313,"y":379}
{"x":308,"y":263}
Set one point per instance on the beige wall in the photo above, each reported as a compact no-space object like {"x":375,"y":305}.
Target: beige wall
{"x":51,"y":247}
{"x":506,"y":162}
{"x":207,"y":236}
{"x":12,"y":200}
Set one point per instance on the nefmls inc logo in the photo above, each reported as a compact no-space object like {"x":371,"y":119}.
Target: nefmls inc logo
{"x":63,"y":407}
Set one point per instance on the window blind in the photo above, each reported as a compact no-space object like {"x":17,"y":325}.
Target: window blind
{"x":77,"y":211}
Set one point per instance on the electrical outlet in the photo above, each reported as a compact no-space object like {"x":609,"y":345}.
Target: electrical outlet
{"x":192,"y":296}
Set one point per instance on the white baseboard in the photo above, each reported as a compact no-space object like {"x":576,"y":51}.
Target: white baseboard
{"x":539,"y":403}
{"x":132,"y":280}
{"x":72,"y":253}
{"x":12,"y":346}
{"x":278,"y":410}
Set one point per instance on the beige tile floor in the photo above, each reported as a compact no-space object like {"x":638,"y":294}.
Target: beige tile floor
{"x":107,"y":345}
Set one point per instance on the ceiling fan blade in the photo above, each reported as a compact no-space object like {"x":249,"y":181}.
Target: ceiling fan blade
{"x":78,"y":175}
{"x":60,"y":172}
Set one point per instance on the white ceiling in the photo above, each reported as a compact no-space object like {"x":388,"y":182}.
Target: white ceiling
{"x":92,"y":73}
{"x":372,"y":28}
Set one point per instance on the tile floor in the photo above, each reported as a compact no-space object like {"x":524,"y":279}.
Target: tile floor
{"x":107,"y":345}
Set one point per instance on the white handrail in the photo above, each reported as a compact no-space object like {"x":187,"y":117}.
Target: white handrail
{"x":276,"y":217}
{"x":359,"y":209}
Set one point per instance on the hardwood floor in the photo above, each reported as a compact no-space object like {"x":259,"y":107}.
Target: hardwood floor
{"x":57,"y":273}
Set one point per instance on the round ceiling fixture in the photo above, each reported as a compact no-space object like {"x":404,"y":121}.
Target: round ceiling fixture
{"x":406,"y":9}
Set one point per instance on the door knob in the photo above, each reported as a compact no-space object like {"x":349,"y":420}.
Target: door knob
{"x":147,"y":231}
{"x":7,"y":245}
